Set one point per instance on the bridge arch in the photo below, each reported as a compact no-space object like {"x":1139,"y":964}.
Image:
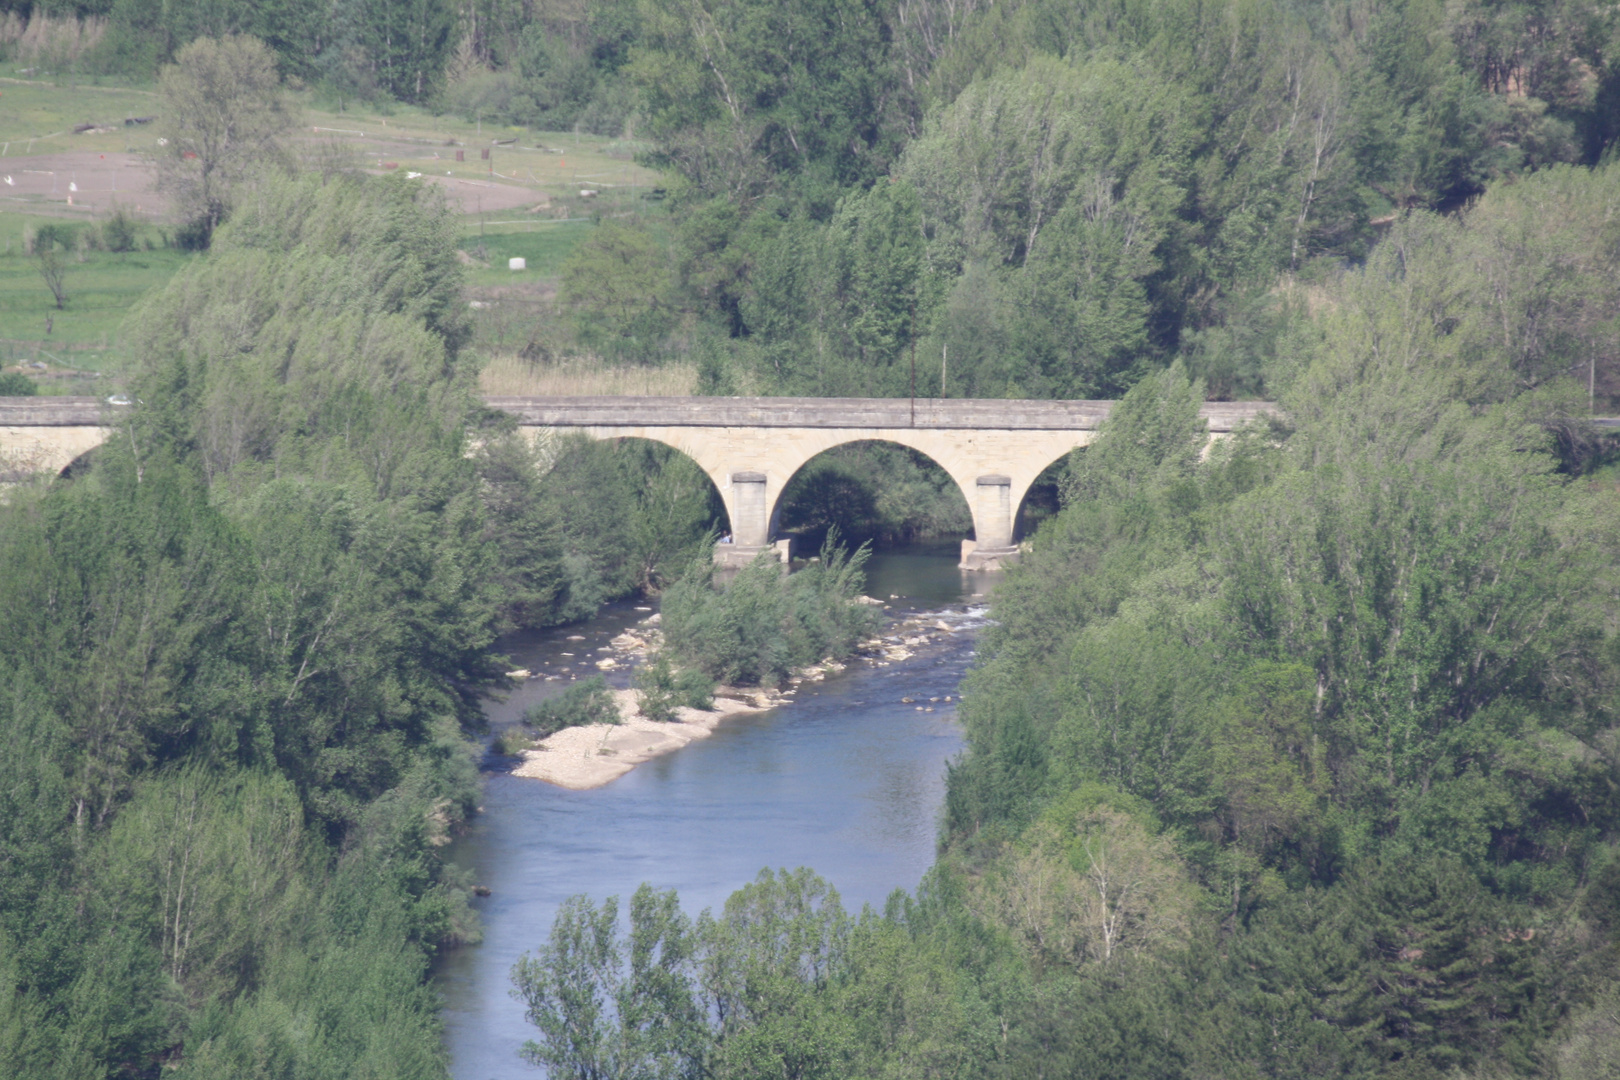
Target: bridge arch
{"x":782,"y":505}
{"x":1051,"y":475}
{"x":79,"y":466}
{"x":623,"y":438}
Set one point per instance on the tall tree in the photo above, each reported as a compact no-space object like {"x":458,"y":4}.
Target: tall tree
{"x":407,"y":43}
{"x":225,"y":115}
{"x":744,"y":95}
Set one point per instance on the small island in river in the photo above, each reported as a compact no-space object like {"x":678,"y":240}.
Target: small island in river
{"x":595,"y":754}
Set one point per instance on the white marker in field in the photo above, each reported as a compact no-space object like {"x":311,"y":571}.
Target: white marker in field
{"x":517,"y":264}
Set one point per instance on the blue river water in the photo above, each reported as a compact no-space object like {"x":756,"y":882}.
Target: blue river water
{"x":848,"y":780}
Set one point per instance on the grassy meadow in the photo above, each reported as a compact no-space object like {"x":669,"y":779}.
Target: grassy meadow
{"x":83,"y":344}
{"x":524,"y":201}
{"x":544,"y":246}
{"x":38,"y":117}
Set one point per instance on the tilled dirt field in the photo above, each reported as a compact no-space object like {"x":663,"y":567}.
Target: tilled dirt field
{"x":83,"y":182}
{"x":90,"y":183}
{"x":475,"y":196}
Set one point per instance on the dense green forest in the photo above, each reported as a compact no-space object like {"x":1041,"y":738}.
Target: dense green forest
{"x":1033,"y":199}
{"x":242,"y":653}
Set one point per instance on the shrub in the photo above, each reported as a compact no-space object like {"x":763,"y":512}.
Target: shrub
{"x":16,"y":384}
{"x":514,"y":740}
{"x":695,"y":689}
{"x":586,"y":702}
{"x":194,"y":235}
{"x":663,"y":689}
{"x":764,"y":624}
{"x":118,"y":233}
{"x":50,"y":236}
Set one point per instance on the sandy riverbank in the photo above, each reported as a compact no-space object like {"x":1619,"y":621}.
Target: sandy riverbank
{"x":590,"y":756}
{"x":587,"y":757}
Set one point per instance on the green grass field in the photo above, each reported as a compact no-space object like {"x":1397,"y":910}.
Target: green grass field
{"x":86,"y":333}
{"x":39,"y":117}
{"x":544,"y":246}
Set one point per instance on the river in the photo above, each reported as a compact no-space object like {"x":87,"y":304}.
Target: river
{"x":848,"y":780}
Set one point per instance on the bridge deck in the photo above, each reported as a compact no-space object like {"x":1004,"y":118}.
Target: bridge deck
{"x":55,"y":411}
{"x":935,"y":413}
{"x":946,"y":413}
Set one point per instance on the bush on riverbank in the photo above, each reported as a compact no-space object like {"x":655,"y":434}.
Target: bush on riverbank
{"x":586,"y":702}
{"x":663,"y":689}
{"x":764,"y":624}
{"x":514,"y":740}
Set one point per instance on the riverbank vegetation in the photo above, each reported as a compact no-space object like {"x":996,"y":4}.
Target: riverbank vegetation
{"x":661,"y":688}
{"x":588,"y":701}
{"x":762,"y":625}
{"x":243,"y":649}
{"x":1295,"y":759}
{"x":238,"y":656}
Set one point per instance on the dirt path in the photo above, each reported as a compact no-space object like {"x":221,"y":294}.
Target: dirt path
{"x":86,"y":183}
{"x":81,"y":182}
{"x":484,"y":196}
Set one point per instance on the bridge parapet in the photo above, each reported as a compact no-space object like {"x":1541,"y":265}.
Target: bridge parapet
{"x":936,"y":413}
{"x":878,"y":413}
{"x":56,"y":411}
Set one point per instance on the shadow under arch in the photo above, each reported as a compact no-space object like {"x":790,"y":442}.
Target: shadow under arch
{"x":607,"y":478}
{"x":80,"y":466}
{"x":1043,"y":499}
{"x":838,"y":486}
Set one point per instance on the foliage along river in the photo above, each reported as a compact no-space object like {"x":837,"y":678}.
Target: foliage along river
{"x":848,"y":780}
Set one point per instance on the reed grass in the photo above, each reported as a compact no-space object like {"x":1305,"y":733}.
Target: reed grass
{"x":51,"y":41}
{"x":586,"y":376}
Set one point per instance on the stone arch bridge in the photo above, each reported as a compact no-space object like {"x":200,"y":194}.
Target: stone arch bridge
{"x":749,"y":447}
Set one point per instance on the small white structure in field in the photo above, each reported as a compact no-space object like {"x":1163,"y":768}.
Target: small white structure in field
{"x":587,"y":193}
{"x":517,"y":264}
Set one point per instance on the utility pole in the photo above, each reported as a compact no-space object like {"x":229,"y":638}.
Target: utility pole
{"x":913,"y":329}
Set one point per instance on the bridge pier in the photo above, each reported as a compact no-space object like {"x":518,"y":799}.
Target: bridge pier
{"x":749,"y":505}
{"x":750,"y":510}
{"x":993,"y":511}
{"x":737,"y":556}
